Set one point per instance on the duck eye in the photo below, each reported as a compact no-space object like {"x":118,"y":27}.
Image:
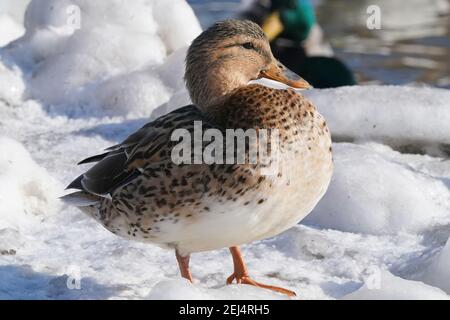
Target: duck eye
{"x":248,"y":46}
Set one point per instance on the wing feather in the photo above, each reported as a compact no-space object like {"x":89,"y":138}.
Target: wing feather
{"x":123,"y":163}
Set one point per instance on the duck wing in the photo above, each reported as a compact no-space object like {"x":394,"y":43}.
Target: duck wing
{"x":123,"y":163}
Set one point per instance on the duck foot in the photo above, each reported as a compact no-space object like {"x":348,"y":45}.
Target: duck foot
{"x":241,"y":275}
{"x":248,"y":281}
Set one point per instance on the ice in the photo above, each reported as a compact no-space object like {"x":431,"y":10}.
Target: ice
{"x":374,"y":192}
{"x":395,"y":288}
{"x":66,"y":94}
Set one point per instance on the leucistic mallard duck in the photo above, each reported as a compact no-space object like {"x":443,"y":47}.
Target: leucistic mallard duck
{"x":135,"y":190}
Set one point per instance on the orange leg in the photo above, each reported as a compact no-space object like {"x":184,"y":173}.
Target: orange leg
{"x":183,"y":263}
{"x":242,"y":277}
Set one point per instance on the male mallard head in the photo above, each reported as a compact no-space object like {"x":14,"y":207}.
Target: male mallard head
{"x":228,"y":56}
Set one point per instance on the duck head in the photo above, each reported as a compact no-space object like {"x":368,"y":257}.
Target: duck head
{"x":228,"y":56}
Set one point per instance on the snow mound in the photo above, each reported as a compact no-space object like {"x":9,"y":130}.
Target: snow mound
{"x":11,"y":84}
{"x":389,"y":287}
{"x":11,"y":20}
{"x":373,"y":192}
{"x":27,"y":192}
{"x":11,"y":30}
{"x":183,"y":290}
{"x":438,"y":273}
{"x":105,"y":56}
{"x":393,"y":115}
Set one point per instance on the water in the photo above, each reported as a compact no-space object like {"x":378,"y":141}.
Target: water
{"x":412,"y":47}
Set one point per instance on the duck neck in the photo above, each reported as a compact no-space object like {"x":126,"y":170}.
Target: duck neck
{"x":211,"y":84}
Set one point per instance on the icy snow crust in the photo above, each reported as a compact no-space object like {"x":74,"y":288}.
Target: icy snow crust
{"x":381,"y":231}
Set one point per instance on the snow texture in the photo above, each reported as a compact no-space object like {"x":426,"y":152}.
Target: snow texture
{"x":27,"y":192}
{"x":11,"y":20}
{"x":389,"y":198}
{"x":421,"y":117}
{"x":105,"y":56}
{"x":381,"y":232}
{"x":394,"y":288}
{"x":437,"y":273}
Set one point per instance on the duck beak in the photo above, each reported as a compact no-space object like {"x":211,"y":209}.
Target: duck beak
{"x":278,"y":72}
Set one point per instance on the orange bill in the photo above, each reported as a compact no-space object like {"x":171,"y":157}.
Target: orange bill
{"x":278,"y":72}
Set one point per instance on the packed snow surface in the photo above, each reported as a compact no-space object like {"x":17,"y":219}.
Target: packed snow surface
{"x":381,"y":232}
{"x":12,"y":20}
{"x":28,"y":193}
{"x":375,"y":113}
{"x":389,"y":287}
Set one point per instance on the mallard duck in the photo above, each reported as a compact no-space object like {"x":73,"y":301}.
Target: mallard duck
{"x":136,"y":191}
{"x":297,"y":41}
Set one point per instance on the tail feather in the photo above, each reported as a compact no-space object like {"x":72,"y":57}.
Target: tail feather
{"x":81,"y":199}
{"x":86,"y":202}
{"x":76,"y":184}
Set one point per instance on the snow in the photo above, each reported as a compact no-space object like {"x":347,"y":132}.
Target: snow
{"x":395,"y":288}
{"x":67,"y":94}
{"x":12,"y":84}
{"x":379,"y":200}
{"x":11,"y":20}
{"x":183,"y":290}
{"x":94,"y":47}
{"x":438,"y":273}
{"x":11,"y":30}
{"x":27,"y":192}
{"x":414,"y":116}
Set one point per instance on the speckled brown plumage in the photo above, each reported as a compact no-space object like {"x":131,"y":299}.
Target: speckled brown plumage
{"x":199,"y":207}
{"x":164,"y":193}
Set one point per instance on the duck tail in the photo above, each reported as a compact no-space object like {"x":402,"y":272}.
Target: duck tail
{"x":86,"y":202}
